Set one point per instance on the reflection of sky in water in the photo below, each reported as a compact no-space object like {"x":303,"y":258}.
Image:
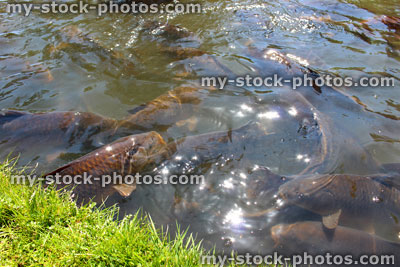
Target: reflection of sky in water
{"x":234,"y":217}
{"x":269,"y":115}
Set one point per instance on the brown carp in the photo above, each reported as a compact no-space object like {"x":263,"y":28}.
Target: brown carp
{"x":356,"y":201}
{"x":45,"y":124}
{"x":58,"y":133}
{"x":315,"y":239}
{"x":126,"y":156}
{"x":21,"y":132}
{"x":136,"y":153}
{"x":164,"y":110}
{"x":82,"y":132}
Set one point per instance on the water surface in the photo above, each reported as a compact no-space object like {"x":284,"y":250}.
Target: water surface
{"x":120,"y":65}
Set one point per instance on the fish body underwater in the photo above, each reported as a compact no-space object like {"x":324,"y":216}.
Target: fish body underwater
{"x":126,"y":156}
{"x":361,"y":202}
{"x":315,"y":239}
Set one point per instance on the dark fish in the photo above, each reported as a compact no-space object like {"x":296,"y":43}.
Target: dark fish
{"x":126,"y":156}
{"x":253,"y":139}
{"x":213,"y":145}
{"x":19,"y":131}
{"x":173,"y":40}
{"x":82,"y":132}
{"x":71,"y":127}
{"x":338,"y":144}
{"x":315,"y":239}
{"x":356,"y":201}
{"x":47,"y":123}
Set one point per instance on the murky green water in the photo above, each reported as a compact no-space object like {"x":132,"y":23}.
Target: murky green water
{"x":120,"y":65}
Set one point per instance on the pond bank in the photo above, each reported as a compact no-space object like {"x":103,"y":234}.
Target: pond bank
{"x":43,"y":227}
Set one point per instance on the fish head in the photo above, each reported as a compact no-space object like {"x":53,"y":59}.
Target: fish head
{"x":144,"y":149}
{"x":313,"y":193}
{"x":152,"y":142}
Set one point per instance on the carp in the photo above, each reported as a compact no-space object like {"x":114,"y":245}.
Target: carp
{"x":315,"y":239}
{"x":82,"y":132}
{"x":74,"y":43}
{"x":54,"y":132}
{"x":359,"y":202}
{"x":126,"y":156}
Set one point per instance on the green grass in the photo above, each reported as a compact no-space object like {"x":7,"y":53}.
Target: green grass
{"x":44,"y":227}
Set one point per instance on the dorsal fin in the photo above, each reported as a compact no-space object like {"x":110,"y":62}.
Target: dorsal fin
{"x":59,"y":169}
{"x":332,"y":221}
{"x":9,"y":115}
{"x":137,"y":109}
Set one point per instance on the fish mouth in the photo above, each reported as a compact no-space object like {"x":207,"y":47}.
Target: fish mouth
{"x":157,"y":138}
{"x":282,"y":196}
{"x":155,"y":143}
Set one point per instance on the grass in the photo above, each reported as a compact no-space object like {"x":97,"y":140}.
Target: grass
{"x":44,"y":227}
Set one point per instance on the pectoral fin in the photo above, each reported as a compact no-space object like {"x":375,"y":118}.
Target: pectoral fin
{"x":124,"y":189}
{"x":332,"y":221}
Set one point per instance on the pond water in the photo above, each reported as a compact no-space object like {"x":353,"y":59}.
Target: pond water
{"x":113,"y":64}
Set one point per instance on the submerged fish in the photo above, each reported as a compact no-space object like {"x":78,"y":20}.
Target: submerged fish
{"x":22,"y":132}
{"x":137,"y":153}
{"x":128,"y":155}
{"x":82,"y":132}
{"x":77,"y":45}
{"x":144,"y":152}
{"x":164,"y":111}
{"x":356,"y":201}
{"x":315,"y":239}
